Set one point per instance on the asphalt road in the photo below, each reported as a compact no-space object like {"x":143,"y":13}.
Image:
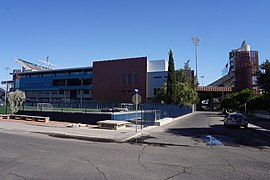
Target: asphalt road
{"x":180,"y":150}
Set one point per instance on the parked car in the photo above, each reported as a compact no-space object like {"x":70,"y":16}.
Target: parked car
{"x":236,"y":119}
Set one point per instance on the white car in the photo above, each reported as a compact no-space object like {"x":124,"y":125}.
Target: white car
{"x":236,"y":119}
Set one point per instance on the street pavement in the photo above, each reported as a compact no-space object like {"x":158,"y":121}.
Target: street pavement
{"x":93,"y":133}
{"x":187,"y":148}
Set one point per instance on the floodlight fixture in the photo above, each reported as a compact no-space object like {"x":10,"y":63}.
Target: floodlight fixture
{"x":196,"y":42}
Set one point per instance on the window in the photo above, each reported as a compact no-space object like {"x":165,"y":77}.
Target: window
{"x":135,"y":79}
{"x":157,"y":77}
{"x":61,"y":91}
{"x":73,"y":82}
{"x":123,"y":91}
{"x":58,"y":82}
{"x":86,"y":91}
{"x":123,"y":80}
{"x":54,"y":92}
{"x":156,"y":90}
{"x":87,"y":81}
{"x":129,"y":79}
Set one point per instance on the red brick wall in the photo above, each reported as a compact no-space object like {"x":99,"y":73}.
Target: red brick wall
{"x":115,"y":80}
{"x":245,"y":64}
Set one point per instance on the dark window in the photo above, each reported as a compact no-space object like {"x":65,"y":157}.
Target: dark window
{"x":61,"y":91}
{"x":123,"y":80}
{"x":135,"y":79}
{"x":156,"y":90}
{"x":73,"y":82}
{"x":157,"y":77}
{"x":58,"y":82}
{"x":87,"y":81}
{"x":123,"y":91}
{"x":129,"y":91}
{"x":86,"y":92}
{"x":129,"y":79}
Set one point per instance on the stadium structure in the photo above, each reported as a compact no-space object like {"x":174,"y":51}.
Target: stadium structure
{"x":106,"y":80}
{"x":241,"y":69}
{"x":115,"y":79}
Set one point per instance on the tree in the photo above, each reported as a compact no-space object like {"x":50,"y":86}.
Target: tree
{"x":238,"y":100}
{"x":186,"y":94}
{"x":15,"y":100}
{"x":261,"y":102}
{"x":263,"y":77}
{"x":171,"y":81}
{"x":229,"y":102}
{"x":185,"y":90}
{"x":185,"y":87}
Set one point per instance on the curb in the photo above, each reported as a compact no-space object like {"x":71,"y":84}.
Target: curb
{"x":78,"y":137}
{"x":129,"y":138}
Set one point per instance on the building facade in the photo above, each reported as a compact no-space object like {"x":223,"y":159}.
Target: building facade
{"x":107,"y":80}
{"x":55,"y":85}
{"x":116,"y":80}
{"x":157,"y":75}
{"x":244,"y":64}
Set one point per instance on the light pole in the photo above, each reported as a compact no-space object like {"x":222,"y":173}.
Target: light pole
{"x":7,"y":69}
{"x":196,"y":42}
{"x":202,"y":79}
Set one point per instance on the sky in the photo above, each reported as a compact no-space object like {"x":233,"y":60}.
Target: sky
{"x":74,"y":33}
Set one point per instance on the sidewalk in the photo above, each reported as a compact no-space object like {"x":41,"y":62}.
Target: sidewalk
{"x":60,"y":129}
{"x":93,"y":133}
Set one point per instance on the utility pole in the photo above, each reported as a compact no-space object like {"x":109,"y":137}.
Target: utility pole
{"x":196,"y":42}
{"x":7,"y":69}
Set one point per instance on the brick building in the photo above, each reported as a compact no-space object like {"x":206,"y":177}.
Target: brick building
{"x":117,"y":79}
{"x":244,"y":63}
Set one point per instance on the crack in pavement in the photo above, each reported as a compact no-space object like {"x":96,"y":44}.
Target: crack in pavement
{"x":139,"y":158}
{"x":180,"y":171}
{"x":164,"y":164}
{"x":93,"y":165}
{"x":232,"y":166}
{"x":228,"y":163}
{"x":19,"y":176}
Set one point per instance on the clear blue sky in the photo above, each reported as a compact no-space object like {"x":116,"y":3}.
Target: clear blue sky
{"x":74,"y":33}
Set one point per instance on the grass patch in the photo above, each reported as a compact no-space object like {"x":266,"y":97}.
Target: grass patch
{"x":3,"y":110}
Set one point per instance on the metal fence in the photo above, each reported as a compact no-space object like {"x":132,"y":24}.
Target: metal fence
{"x":153,"y":112}
{"x":74,"y":106}
{"x":147,"y":113}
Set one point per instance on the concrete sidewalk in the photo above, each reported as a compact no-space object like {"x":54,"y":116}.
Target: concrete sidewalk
{"x":59,"y":129}
{"x":92,"y":132}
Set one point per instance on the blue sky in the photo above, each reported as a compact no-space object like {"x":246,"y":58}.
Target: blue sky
{"x":74,"y":33}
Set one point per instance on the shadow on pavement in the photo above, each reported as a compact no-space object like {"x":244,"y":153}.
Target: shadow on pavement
{"x":228,"y":136}
{"x":264,"y":123}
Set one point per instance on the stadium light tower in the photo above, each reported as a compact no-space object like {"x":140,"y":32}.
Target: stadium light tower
{"x":7,"y":69}
{"x":202,"y":79}
{"x":196,"y":42}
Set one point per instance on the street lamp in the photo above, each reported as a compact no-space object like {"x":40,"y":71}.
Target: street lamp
{"x":7,"y":69}
{"x":196,"y":42}
{"x":202,"y":79}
